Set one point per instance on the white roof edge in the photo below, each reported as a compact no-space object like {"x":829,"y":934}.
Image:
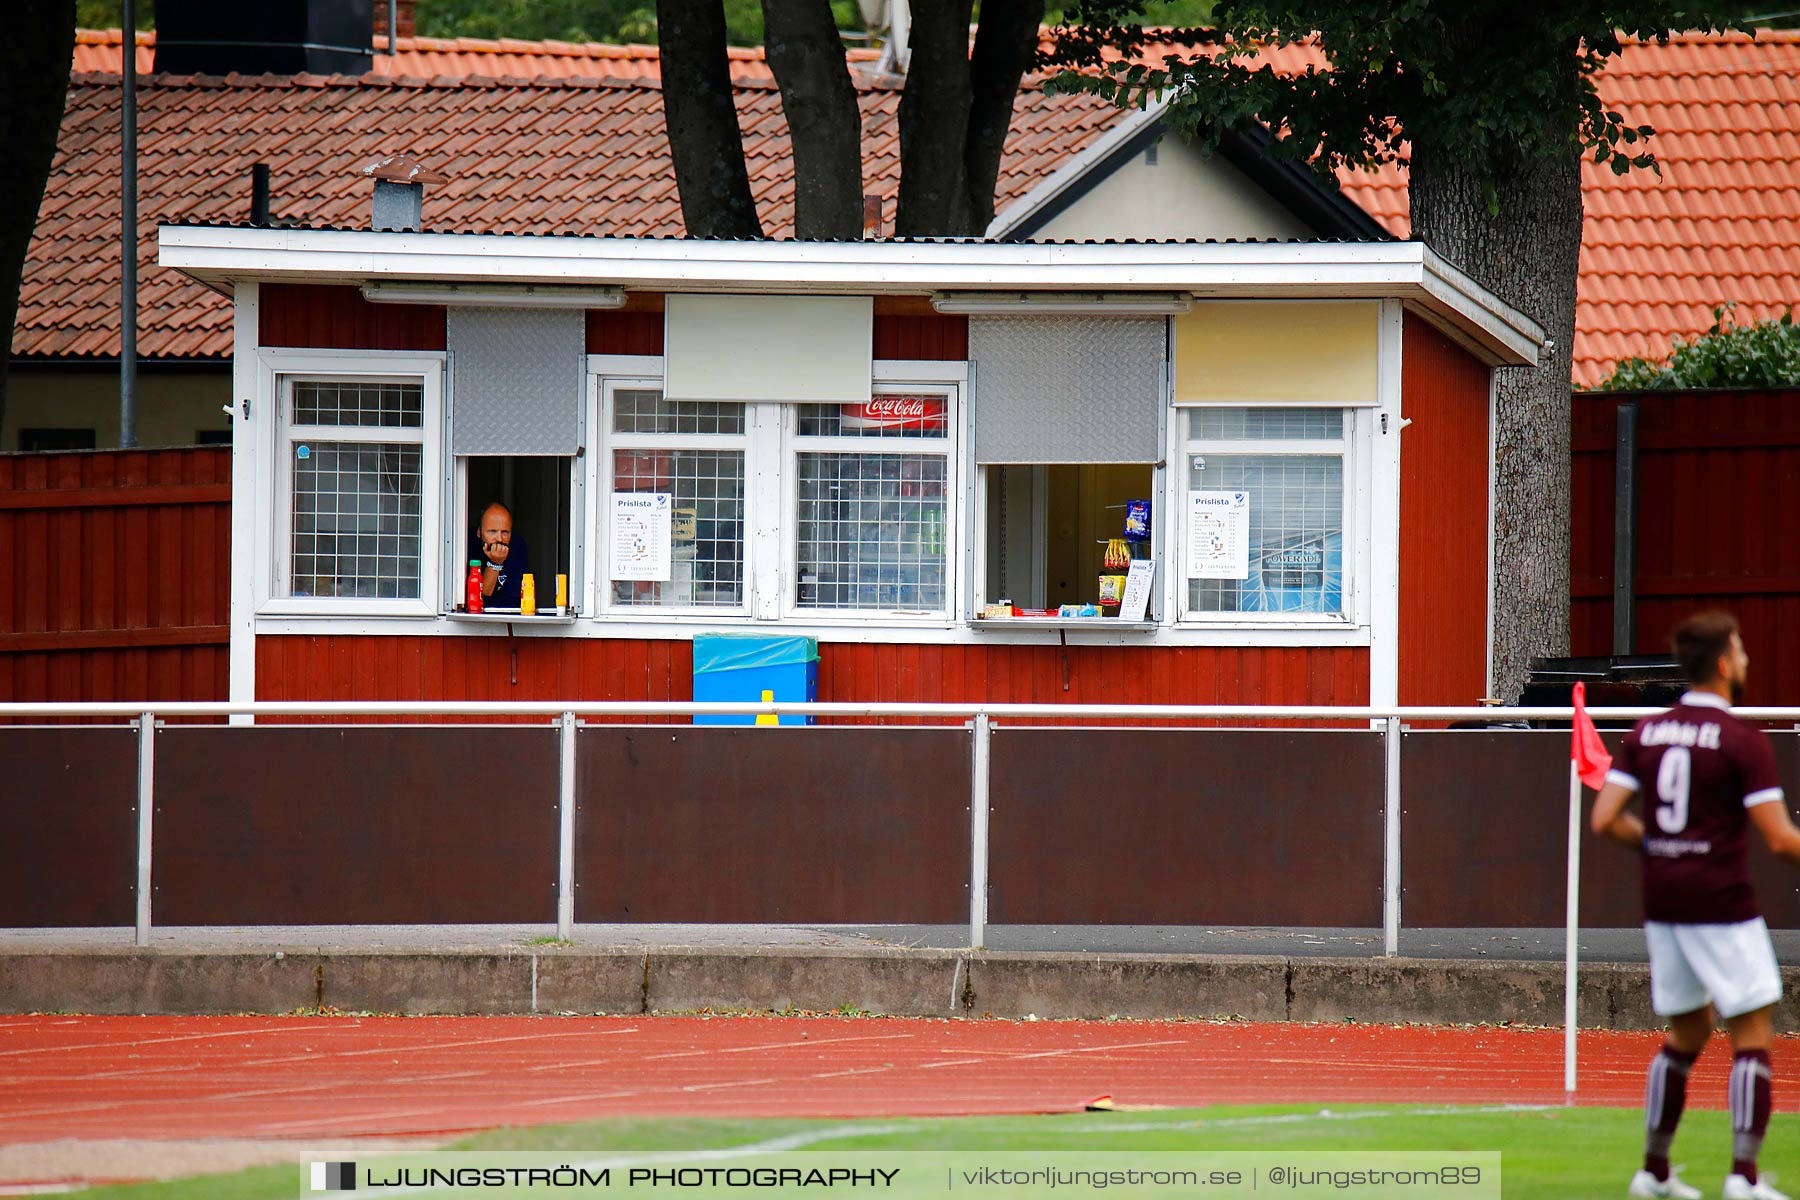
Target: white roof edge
{"x":1243,"y":270}
{"x":1046,"y":190}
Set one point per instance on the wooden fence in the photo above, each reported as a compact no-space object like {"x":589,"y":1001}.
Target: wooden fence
{"x":1718,"y":523}
{"x":116,"y":566}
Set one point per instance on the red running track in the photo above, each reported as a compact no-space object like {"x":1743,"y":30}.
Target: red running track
{"x":298,"y":1077}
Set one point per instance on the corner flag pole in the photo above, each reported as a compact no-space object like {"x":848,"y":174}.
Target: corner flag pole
{"x":1588,"y":763}
{"x":1570,"y":949}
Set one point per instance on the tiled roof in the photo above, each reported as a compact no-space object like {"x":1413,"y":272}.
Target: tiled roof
{"x":522,"y":156}
{"x":97,"y":51}
{"x":1721,"y":223}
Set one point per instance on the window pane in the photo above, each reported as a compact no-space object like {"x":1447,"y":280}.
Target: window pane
{"x":648,"y":412}
{"x":1296,"y":532}
{"x":356,"y":520}
{"x":707,"y":566}
{"x":881,"y":417}
{"x":1265,"y":424}
{"x":380,"y":405}
{"x":872,"y":531}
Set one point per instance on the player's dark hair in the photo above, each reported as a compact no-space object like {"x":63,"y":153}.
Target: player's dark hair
{"x":1700,"y":641}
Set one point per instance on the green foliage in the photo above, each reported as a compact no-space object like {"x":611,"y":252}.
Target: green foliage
{"x":1765,"y":354}
{"x":108,"y":14}
{"x":1486,"y":84}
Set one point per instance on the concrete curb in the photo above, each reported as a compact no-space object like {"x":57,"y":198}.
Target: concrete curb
{"x":923,"y":983}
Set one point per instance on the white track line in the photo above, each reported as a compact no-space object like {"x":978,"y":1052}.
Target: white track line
{"x":872,"y":1037}
{"x":186,"y":1037}
{"x":320,"y":1056}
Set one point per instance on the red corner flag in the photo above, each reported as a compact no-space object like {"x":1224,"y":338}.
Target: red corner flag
{"x":1592,"y":762}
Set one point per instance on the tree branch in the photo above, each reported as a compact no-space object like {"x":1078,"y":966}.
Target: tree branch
{"x":701,"y":117}
{"x":807,"y":57}
{"x":34,"y":85}
{"x":934,"y":123}
{"x":1005,"y":45}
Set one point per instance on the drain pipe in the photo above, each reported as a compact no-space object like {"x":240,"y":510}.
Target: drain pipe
{"x":128,"y":232}
{"x":1625,"y":506}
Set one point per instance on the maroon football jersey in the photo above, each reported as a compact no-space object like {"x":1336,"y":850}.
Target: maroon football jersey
{"x":1699,"y":770}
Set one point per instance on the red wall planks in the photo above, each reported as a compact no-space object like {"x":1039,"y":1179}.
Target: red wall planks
{"x":934,"y":337}
{"x":1443,"y":520}
{"x":118,"y":583}
{"x":905,"y":336}
{"x":612,"y":332}
{"x":1718,"y":523}
{"x":331,"y":317}
{"x":459,"y":668}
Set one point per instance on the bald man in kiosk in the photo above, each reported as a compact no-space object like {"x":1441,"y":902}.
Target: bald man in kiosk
{"x":505,"y":559}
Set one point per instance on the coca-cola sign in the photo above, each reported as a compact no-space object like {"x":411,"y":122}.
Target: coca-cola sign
{"x":894,"y":412}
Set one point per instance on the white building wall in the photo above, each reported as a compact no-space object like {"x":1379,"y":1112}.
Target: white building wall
{"x":1172,"y":191}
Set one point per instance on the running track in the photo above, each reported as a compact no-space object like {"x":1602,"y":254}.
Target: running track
{"x":297,"y":1077}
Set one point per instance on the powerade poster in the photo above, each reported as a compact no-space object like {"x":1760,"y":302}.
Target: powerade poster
{"x":1218,"y":535}
{"x":642,"y":525}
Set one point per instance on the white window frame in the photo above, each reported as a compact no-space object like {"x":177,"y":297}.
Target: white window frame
{"x":1356,"y":449}
{"x":277,"y":370}
{"x":956,"y":504}
{"x":608,"y":441}
{"x":772,"y":444}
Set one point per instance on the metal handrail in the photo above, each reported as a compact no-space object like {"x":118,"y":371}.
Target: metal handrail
{"x":959,"y":712}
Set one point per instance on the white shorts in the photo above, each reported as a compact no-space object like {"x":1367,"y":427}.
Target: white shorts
{"x":1732,"y":967}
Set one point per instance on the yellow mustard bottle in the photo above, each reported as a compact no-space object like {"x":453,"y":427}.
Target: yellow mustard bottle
{"x":528,"y":596}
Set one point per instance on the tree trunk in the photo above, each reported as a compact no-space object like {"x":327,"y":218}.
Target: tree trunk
{"x":807,"y":56}
{"x":1004,"y":47}
{"x":1528,"y":255}
{"x":34,"y":86}
{"x":934,"y":124}
{"x":700,"y":114}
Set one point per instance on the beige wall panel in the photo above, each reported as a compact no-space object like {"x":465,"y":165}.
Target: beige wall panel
{"x":799,"y":348}
{"x":1277,"y":352}
{"x":172,"y":406}
{"x":1183,"y":195}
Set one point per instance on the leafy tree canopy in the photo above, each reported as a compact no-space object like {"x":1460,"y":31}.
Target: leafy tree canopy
{"x":1482,"y":82}
{"x":1765,"y":354}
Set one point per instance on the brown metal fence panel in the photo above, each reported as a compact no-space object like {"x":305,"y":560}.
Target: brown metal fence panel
{"x":1484,"y":837}
{"x":120,"y":564}
{"x":309,"y":825}
{"x":775,"y":825}
{"x":68,"y":827}
{"x":1186,"y":827}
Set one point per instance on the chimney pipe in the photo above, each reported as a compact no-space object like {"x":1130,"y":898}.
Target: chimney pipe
{"x":399,"y":202}
{"x":259,"y":195}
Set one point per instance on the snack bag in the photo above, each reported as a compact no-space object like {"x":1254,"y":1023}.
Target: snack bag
{"x":1137,"y":520}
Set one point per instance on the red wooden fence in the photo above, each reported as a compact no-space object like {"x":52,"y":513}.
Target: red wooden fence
{"x":116,"y":568}
{"x":1718,"y":523}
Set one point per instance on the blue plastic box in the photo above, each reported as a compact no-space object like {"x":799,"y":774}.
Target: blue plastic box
{"x":740,"y":666}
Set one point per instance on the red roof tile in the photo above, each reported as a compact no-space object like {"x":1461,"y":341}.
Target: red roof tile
{"x":1722,"y":222}
{"x":529,"y":156}
{"x":98,"y":51}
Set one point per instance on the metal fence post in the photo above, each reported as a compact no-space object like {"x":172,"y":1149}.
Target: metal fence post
{"x":978,"y":832}
{"x":146,"y":801}
{"x":565,"y":833}
{"x":1390,"y":851}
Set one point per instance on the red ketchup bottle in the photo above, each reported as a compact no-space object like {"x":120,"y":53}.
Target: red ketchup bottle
{"x":473,"y":587}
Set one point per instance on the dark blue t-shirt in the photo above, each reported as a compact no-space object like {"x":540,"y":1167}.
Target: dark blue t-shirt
{"x":512,"y":571}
